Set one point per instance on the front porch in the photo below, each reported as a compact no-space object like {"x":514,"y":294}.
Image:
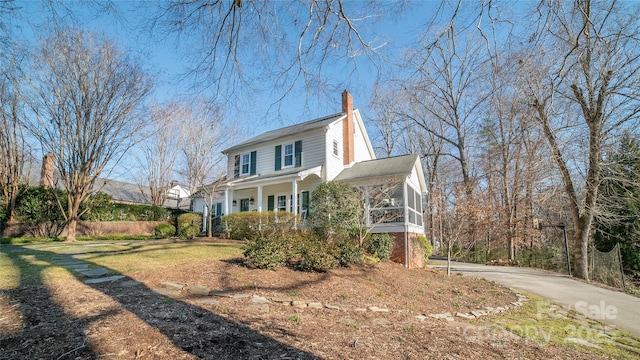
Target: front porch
{"x":268,"y":193}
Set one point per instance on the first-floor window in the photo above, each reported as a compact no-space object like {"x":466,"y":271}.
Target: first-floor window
{"x":282,"y":203}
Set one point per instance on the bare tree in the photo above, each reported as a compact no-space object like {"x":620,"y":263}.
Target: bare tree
{"x":13,"y":147}
{"x":587,"y":89}
{"x":85,"y":100}
{"x":238,"y":42}
{"x":388,"y":120}
{"x":203,"y":135}
{"x":159,"y":151}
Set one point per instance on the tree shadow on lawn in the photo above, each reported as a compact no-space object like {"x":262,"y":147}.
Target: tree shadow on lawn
{"x":51,"y":332}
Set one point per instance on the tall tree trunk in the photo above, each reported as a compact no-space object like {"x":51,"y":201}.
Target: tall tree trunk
{"x":71,"y":229}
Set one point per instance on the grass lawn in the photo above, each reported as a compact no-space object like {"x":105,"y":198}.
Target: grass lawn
{"x":23,"y":265}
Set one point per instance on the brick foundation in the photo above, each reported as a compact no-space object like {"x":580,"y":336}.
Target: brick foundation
{"x":415,"y":252}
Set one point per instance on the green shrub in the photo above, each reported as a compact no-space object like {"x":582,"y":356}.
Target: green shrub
{"x":381,"y":245}
{"x":349,"y":252}
{"x":163,"y":231}
{"x":267,"y":253}
{"x":190,"y":231}
{"x":254,"y":225}
{"x":39,"y":209}
{"x":100,"y":208}
{"x":187,"y":219}
{"x":312,"y":254}
{"x":425,"y":244}
{"x":335,"y":209}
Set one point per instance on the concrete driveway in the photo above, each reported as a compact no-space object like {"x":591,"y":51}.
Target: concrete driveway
{"x":612,"y":307}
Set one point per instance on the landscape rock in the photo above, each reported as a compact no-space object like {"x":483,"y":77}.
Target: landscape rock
{"x":199,"y":290}
{"x":259,"y":299}
{"x":299,"y":304}
{"x":377,"y":309}
{"x":283,"y":300}
{"x":221,"y":293}
{"x":178,"y":286}
{"x":465,"y":315}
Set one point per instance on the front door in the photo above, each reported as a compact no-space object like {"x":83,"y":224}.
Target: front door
{"x":244,"y":205}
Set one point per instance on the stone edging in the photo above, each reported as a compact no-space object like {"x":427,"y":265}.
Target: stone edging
{"x":257,"y":300}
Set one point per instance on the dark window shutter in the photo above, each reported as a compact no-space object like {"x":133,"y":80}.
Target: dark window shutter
{"x":253,"y":163}
{"x":218,"y":209}
{"x":278,"y":157}
{"x":305,"y":202}
{"x":298,"y":153}
{"x":236,"y":167}
{"x":270,"y":202}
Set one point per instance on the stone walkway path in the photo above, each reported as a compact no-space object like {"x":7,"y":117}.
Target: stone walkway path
{"x":75,"y":263}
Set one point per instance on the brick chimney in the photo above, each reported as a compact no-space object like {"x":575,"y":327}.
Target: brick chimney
{"x":174,"y":183}
{"x":46,"y":174}
{"x":347,"y":129}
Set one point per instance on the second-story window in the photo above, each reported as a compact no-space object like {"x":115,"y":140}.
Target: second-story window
{"x":288,"y":155}
{"x":245,"y":164}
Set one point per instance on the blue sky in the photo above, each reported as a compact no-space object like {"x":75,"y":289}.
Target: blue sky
{"x":257,"y":114}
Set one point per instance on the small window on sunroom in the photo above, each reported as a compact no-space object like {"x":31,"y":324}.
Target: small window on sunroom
{"x":335,"y":148}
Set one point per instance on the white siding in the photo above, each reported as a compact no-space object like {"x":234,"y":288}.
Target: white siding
{"x":334,"y":163}
{"x":312,"y":152}
{"x":362,"y":150}
{"x":413,"y":180}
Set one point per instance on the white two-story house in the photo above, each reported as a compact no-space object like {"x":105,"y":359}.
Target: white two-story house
{"x":278,"y":170}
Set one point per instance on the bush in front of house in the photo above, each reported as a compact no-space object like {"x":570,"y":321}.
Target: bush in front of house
{"x":380,"y":245}
{"x":254,"y":225}
{"x":193,"y":221}
{"x":349,"y":252}
{"x":426,"y":246}
{"x":335,"y":210}
{"x":267,"y":253}
{"x":300,"y":250}
{"x":190,"y":231}
{"x":163,"y":231}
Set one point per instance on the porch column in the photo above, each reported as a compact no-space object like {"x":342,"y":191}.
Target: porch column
{"x":226,"y":201}
{"x":259,"y":198}
{"x":294,"y":201}
{"x":294,"y":197}
{"x":405,"y":200}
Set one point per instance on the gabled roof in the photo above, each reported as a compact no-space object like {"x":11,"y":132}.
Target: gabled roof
{"x":286,"y":131}
{"x":383,"y":168}
{"x":122,"y":191}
